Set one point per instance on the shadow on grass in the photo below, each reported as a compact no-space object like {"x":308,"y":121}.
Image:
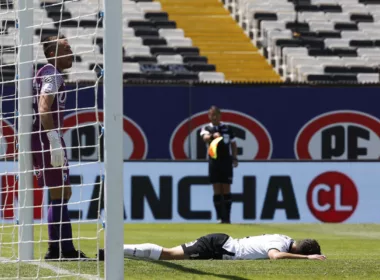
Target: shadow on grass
{"x":185,"y":269}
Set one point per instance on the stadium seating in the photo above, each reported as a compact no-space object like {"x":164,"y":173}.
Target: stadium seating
{"x":153,"y":47}
{"x":315,"y":40}
{"x":218,"y":37}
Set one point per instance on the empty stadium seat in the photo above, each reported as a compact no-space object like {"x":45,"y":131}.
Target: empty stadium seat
{"x":84,"y":76}
{"x":169,"y":59}
{"x":179,"y":42}
{"x":171,"y":33}
{"x":344,"y":32}
{"x":131,"y":68}
{"x":211,"y":77}
{"x":368,"y":78}
{"x":153,"y":47}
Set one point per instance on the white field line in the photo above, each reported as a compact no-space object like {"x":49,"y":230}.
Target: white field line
{"x":61,"y":272}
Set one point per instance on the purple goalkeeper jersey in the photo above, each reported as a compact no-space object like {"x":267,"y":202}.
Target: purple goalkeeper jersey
{"x":49,"y":80}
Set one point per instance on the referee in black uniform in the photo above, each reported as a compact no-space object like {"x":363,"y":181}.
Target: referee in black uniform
{"x":220,"y":168}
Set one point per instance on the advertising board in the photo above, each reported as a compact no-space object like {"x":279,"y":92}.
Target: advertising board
{"x":179,"y":192}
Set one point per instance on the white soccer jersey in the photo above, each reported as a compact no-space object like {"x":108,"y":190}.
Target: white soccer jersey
{"x":256,"y":247}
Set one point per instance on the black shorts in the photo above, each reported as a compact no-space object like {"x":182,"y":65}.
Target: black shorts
{"x":220,"y":171}
{"x":207,"y":247}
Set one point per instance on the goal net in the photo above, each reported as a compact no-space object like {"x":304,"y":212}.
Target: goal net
{"x":48,"y":107}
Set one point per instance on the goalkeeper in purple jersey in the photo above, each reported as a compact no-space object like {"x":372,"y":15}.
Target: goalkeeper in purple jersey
{"x":49,"y":153}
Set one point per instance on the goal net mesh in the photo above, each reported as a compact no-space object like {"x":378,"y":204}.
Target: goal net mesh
{"x":82,"y":130}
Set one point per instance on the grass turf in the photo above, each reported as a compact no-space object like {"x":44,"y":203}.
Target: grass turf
{"x":353,"y":252}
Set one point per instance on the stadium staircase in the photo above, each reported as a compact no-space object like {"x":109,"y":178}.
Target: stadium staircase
{"x":220,"y":38}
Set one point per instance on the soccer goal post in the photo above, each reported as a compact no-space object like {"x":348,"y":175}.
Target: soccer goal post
{"x":24,"y":115}
{"x":113,"y":142}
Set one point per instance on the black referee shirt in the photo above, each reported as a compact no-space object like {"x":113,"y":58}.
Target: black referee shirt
{"x":224,"y":130}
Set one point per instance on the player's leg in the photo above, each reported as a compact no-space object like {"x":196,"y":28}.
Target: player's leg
{"x":175,"y":253}
{"x":226,"y":181}
{"x":59,"y":223}
{"x":144,"y":251}
{"x":217,"y":199}
{"x":59,"y":227}
{"x":39,"y":160}
{"x":149,"y":251}
{"x":205,"y":248}
{"x":217,"y":188}
{"x":227,"y":199}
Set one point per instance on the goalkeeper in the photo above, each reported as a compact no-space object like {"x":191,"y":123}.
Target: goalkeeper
{"x":221,"y":246}
{"x":49,"y":154}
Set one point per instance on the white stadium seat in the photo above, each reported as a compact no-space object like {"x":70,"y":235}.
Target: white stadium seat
{"x":80,"y":49}
{"x":149,"y":6}
{"x":179,"y":42}
{"x":84,"y":76}
{"x":169,"y":59}
{"x":128,"y":32}
{"x":7,"y":40}
{"x":8,"y":58}
{"x":368,"y":78}
{"x":132,"y":16}
{"x":131,"y":67}
{"x":79,"y":67}
{"x":211,"y":77}
{"x":133,"y":51}
{"x":337,"y":43}
{"x":172,"y":33}
{"x":132,"y":41}
{"x":86,"y":40}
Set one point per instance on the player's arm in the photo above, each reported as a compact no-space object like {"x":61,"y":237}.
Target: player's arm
{"x":274,"y":254}
{"x":206,"y":135}
{"x":45,"y":102}
{"x":234,"y":148}
{"x":44,"y":106}
{"x":234,"y":154}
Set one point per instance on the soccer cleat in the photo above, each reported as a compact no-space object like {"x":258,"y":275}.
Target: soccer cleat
{"x":75,"y":255}
{"x":100,"y":255}
{"x":52,"y":254}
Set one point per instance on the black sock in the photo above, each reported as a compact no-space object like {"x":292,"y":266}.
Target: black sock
{"x":227,"y":204}
{"x":217,"y":205}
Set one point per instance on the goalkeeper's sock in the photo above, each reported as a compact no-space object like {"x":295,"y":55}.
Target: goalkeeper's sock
{"x":63,"y":229}
{"x":217,"y":205}
{"x":67,"y":231}
{"x":52,"y":230}
{"x":146,"y":251}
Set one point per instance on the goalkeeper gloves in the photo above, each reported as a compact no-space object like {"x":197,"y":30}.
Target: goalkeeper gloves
{"x":57,"y":156}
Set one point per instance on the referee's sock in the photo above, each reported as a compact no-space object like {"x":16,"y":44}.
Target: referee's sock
{"x":227,"y":203}
{"x":146,"y":251}
{"x":217,"y":204}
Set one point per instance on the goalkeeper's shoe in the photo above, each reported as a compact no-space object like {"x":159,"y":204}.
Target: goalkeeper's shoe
{"x":75,"y":255}
{"x":52,"y":254}
{"x":100,"y":255}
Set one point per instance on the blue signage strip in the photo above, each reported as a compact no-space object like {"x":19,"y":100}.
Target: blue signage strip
{"x":278,"y":122}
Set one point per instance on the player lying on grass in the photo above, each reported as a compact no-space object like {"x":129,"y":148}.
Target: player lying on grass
{"x":221,"y":246}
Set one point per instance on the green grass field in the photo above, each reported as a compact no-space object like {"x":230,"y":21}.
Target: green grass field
{"x":353,"y":252}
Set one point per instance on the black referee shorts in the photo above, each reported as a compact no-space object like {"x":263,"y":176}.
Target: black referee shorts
{"x":207,"y":247}
{"x":220,"y":171}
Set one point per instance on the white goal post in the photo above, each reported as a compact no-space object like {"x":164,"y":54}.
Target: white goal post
{"x":113,"y":135}
{"x":25,"y":116}
{"x":113,"y":142}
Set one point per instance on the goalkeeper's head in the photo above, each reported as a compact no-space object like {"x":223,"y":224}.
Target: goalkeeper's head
{"x":58,"y":52}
